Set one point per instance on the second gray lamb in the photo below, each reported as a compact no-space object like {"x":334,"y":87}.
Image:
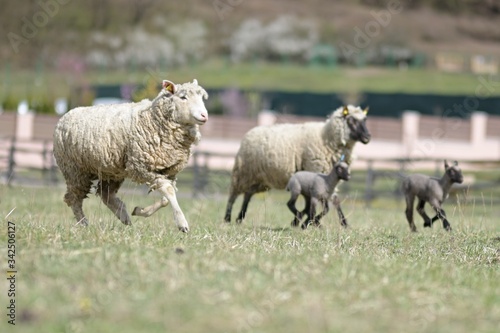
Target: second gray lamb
{"x":316,"y":188}
{"x":432,"y":190}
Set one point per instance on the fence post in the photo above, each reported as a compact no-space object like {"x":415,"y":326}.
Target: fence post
{"x":370,"y":179}
{"x":196,"y":175}
{"x":12,"y":163}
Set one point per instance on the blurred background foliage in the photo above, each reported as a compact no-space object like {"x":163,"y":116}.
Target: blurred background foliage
{"x":50,"y":48}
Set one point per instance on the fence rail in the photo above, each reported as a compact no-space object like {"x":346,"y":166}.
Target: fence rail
{"x":372,"y":178}
{"x":18,"y":157}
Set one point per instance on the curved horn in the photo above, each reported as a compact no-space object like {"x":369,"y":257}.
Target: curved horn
{"x":168,"y":86}
{"x":365,"y":111}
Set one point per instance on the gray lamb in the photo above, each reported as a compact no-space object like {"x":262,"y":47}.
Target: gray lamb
{"x":432,"y":190}
{"x":316,"y":188}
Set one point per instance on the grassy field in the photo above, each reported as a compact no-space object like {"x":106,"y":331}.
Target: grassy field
{"x":261,"y":276}
{"x":260,"y":76}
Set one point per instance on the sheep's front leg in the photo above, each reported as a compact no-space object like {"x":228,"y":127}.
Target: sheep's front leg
{"x":150,"y":210}
{"x":167,"y":188}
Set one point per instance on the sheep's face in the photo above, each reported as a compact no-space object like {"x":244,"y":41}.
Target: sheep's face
{"x":188,"y":100}
{"x":355,"y":119}
{"x":454,"y":172}
{"x":357,"y":127}
{"x":342,"y":171}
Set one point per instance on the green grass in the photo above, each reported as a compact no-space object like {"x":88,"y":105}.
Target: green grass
{"x":261,"y":276}
{"x":260,"y":76}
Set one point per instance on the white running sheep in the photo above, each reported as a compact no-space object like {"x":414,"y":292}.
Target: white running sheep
{"x":148,"y":142}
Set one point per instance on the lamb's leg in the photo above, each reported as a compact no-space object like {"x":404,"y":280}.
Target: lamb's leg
{"x":291,"y":205}
{"x":410,"y":199}
{"x":307,"y":208}
{"x":77,"y":190}
{"x":244,"y":206}
{"x":442,"y":215}
{"x":312,"y":212}
{"x":336,"y":203}
{"x":107,"y":190}
{"x":326,"y":208}
{"x":421,"y":211}
{"x":150,"y":210}
{"x":229,"y":207}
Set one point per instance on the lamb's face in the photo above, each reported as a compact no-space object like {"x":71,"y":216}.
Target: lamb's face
{"x":188,"y":100}
{"x":342,"y":171}
{"x":454,"y":173}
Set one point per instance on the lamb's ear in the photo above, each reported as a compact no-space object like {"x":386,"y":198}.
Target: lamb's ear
{"x":345,"y":112}
{"x":365,"y":111}
{"x":169,"y":86}
{"x":455,"y":163}
{"x":446,"y":166}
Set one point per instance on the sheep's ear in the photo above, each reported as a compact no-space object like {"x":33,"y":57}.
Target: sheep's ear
{"x":455,"y":163}
{"x":169,"y":86}
{"x":345,"y":112}
{"x":365,"y":111}
{"x":195,"y":82}
{"x":446,"y":166}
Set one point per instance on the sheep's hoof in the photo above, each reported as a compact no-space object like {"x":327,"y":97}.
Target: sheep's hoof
{"x":83,"y":222}
{"x":447,"y":228}
{"x":295,"y":223}
{"x":427,"y":225}
{"x":184,"y":229}
{"x":137,"y":211}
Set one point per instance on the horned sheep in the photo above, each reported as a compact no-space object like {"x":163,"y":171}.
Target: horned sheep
{"x":316,"y":188}
{"x":432,"y":190}
{"x":148,"y":142}
{"x":270,"y":155}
